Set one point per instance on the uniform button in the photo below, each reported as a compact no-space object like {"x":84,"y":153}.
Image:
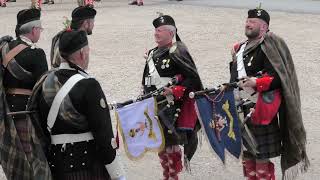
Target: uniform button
{"x":12,"y":105}
{"x":71,"y":154}
{"x":71,"y":166}
{"x":85,"y":152}
{"x":52,"y":165}
{"x":54,"y":154}
{"x":83,"y":164}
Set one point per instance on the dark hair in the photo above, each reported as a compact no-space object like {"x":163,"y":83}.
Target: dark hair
{"x":75,"y":25}
{"x":71,"y":64}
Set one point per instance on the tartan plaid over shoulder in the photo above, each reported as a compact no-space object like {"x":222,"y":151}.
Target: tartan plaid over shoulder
{"x":16,"y":163}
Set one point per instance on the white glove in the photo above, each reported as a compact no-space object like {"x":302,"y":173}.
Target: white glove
{"x":115,"y":169}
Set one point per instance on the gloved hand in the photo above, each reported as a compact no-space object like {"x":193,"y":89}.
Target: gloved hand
{"x":6,"y":38}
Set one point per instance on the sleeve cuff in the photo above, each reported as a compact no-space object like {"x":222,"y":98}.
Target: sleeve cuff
{"x":178,"y":92}
{"x":263,"y":83}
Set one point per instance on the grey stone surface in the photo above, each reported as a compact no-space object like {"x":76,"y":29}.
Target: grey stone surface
{"x":122,"y":33}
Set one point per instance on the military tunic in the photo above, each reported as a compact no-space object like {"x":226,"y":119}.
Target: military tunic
{"x":88,"y":112}
{"x":268,"y":136}
{"x":168,"y":67}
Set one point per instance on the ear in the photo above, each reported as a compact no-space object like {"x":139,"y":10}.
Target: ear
{"x":85,"y":23}
{"x":265,"y":26}
{"x":82,"y":55}
{"x":33,"y":31}
{"x":172,"y":34}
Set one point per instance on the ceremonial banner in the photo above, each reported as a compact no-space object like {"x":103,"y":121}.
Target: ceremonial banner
{"x":219,"y":119}
{"x":140,"y":129}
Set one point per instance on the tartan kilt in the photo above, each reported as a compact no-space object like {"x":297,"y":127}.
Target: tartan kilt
{"x":22,"y":156}
{"x":268,"y":138}
{"x":97,"y":172}
{"x":18,"y":103}
{"x":172,"y":139}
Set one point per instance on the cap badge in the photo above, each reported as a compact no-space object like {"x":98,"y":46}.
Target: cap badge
{"x":162,"y":19}
{"x":259,"y":13}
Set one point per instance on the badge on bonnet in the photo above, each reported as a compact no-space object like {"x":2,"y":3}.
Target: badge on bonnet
{"x":259,"y":13}
{"x":162,"y":19}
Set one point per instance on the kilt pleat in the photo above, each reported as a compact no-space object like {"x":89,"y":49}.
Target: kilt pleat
{"x":97,"y":172}
{"x":268,"y":138}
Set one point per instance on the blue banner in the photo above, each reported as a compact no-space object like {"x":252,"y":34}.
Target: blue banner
{"x":219,"y":119}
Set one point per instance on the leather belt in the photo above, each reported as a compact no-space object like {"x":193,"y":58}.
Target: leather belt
{"x":19,"y":91}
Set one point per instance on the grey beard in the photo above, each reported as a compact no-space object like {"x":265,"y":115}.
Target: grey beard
{"x":252,"y":34}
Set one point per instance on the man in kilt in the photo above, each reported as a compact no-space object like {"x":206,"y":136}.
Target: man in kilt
{"x":74,"y":117}
{"x":176,"y":111}
{"x":265,"y":69}
{"x":82,"y":19}
{"x":23,"y":63}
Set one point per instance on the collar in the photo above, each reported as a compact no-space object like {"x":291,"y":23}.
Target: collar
{"x":28,"y":41}
{"x":65,"y":65}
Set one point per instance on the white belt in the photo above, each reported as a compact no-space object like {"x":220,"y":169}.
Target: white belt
{"x":71,"y":138}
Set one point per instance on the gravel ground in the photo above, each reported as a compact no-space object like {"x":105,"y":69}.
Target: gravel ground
{"x":122,"y":33}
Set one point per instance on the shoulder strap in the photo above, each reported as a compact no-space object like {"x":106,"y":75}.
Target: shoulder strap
{"x":12,"y":53}
{"x":65,"y":89}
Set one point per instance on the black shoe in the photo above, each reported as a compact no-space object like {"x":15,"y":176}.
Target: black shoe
{"x":45,"y":2}
{"x":12,"y":1}
{"x":133,"y":3}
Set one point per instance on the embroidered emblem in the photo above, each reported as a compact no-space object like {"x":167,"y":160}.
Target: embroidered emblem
{"x":161,"y":19}
{"x":103,"y":103}
{"x":259,"y":13}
